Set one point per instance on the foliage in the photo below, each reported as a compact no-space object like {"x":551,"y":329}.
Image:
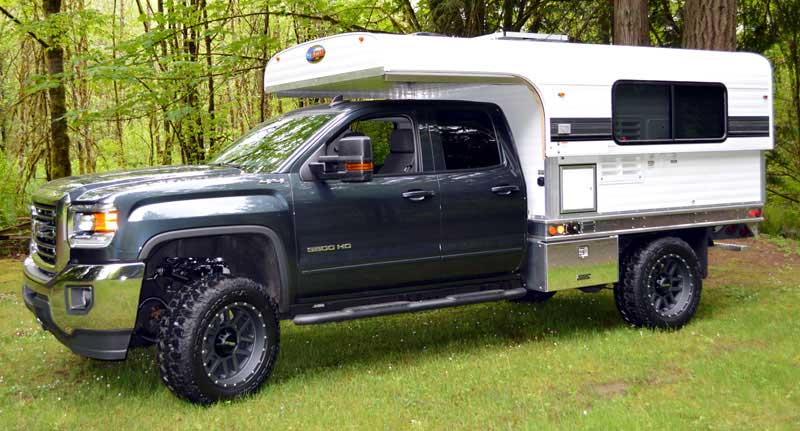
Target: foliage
{"x":781,"y":219}
{"x":9,"y":204}
{"x":152,"y":82}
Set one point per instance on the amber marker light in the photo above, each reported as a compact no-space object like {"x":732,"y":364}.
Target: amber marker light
{"x":560,"y":229}
{"x":552,"y":230}
{"x":105,"y":222}
{"x":361,"y":38}
{"x":358,"y":167}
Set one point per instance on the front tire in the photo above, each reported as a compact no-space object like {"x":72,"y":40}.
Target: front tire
{"x":219,"y":340}
{"x":660,"y":284}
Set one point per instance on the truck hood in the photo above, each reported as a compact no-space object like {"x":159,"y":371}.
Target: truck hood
{"x":97,"y":187}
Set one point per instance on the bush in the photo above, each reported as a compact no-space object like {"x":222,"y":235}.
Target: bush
{"x":783,"y":220}
{"x":10,"y":203}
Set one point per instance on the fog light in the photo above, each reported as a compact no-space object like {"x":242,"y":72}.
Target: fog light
{"x":79,"y":299}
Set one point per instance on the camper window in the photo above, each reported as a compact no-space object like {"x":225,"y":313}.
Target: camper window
{"x":668,"y":112}
{"x":699,"y":111}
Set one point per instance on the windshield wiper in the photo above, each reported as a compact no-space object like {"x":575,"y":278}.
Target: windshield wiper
{"x":226,"y":165}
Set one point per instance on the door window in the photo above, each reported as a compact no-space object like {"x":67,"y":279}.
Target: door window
{"x":393,"y":145}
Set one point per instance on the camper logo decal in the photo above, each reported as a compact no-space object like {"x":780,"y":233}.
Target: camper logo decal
{"x":315,"y":54}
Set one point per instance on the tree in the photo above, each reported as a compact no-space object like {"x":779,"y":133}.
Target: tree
{"x":59,"y":145}
{"x":631,"y":26}
{"x":784,"y":161}
{"x":710,"y":24}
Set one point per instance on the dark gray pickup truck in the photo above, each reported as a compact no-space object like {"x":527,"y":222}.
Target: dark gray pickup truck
{"x":325,"y":214}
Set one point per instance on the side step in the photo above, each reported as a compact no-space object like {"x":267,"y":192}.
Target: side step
{"x":397,"y":307}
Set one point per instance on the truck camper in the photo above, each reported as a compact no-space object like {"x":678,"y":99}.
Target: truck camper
{"x":445,"y":171}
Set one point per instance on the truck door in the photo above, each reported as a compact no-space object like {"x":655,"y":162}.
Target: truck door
{"x":483,"y":192}
{"x":373,"y":235}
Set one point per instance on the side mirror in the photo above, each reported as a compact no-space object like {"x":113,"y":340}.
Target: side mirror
{"x":352,"y":164}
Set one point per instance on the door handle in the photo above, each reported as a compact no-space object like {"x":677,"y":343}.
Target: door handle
{"x":504,"y":190}
{"x":418,"y":195}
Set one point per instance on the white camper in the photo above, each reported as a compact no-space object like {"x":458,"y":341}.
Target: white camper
{"x":613,"y":140}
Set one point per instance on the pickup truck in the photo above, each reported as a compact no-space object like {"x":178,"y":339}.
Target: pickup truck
{"x":323,"y":214}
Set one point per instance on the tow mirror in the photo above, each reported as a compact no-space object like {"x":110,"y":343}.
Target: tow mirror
{"x":353,"y":163}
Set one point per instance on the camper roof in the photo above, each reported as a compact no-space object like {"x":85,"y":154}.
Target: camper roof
{"x":385,"y":65}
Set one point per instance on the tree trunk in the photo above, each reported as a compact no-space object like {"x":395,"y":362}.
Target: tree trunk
{"x":192,"y":126}
{"x":211,"y":129}
{"x":259,"y":76}
{"x":3,"y":131}
{"x":117,"y":117}
{"x":508,"y":15}
{"x":606,"y":22}
{"x":631,"y":26}
{"x":59,"y":150}
{"x":710,"y":24}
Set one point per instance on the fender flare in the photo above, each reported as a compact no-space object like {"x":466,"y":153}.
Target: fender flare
{"x":280,"y":250}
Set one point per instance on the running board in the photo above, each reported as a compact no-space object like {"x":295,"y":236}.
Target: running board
{"x":397,"y":307}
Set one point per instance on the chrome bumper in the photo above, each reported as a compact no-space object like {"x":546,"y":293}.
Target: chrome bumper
{"x":103,"y":330}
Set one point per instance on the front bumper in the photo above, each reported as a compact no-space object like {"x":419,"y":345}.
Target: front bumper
{"x":104,"y":330}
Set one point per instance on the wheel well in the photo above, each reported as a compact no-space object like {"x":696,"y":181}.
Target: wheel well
{"x":252,"y":256}
{"x":697,"y":238}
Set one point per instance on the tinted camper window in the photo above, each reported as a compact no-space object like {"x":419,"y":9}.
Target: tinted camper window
{"x":699,"y":111}
{"x":664,"y":112}
{"x":642,"y":112}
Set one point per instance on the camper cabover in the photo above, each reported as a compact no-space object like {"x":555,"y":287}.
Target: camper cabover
{"x":444,"y":171}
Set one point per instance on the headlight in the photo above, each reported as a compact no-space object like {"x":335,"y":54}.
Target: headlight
{"x":93,"y":229}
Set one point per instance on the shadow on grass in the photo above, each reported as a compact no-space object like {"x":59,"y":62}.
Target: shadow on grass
{"x":312,"y":351}
{"x":418,"y":337}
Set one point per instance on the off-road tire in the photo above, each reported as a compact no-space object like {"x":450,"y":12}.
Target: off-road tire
{"x":637,"y":293}
{"x":181,"y":345}
{"x":536,"y":297}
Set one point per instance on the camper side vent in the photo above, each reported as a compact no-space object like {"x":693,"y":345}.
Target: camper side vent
{"x":622,"y":170}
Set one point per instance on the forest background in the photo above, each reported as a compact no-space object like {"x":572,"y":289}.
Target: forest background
{"x":91,"y":86}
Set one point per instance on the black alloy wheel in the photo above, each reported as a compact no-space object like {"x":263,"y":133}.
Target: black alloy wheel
{"x":235,"y":343}
{"x":671,"y":282}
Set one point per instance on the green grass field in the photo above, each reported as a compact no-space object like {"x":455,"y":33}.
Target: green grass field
{"x":567,"y":364}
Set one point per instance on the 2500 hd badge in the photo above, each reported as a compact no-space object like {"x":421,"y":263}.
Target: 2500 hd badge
{"x":330,"y":247}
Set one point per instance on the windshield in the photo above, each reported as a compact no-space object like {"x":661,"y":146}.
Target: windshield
{"x":265,"y":147}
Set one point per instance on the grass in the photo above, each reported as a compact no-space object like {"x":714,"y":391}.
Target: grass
{"x":567,"y":364}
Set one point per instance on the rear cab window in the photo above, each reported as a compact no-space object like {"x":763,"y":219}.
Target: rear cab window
{"x":464,"y":139}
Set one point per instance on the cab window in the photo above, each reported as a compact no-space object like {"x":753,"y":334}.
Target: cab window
{"x":467,"y":139}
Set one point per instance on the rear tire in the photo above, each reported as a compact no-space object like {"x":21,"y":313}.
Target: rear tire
{"x":219,"y":339}
{"x":660,"y":284}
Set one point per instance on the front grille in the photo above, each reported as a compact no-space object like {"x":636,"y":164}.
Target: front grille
{"x":43,"y":231}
